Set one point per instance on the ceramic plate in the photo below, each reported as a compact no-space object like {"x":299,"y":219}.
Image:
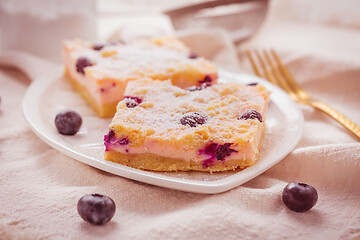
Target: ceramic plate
{"x":52,"y":93}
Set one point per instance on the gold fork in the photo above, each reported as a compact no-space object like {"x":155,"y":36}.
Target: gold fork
{"x":280,"y":76}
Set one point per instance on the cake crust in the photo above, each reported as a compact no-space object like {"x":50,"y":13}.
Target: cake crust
{"x":154,"y":162}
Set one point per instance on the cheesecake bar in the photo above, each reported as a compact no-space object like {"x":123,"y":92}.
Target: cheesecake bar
{"x":161,"y":127}
{"x":100,"y":72}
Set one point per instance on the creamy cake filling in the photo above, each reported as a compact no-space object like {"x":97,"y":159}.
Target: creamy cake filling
{"x":207,"y":153}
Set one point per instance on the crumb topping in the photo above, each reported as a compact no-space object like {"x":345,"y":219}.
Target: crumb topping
{"x":158,"y":117}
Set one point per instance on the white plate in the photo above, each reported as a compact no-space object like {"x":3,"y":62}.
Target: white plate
{"x":52,"y":93}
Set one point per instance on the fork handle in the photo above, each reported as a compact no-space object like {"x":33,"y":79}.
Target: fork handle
{"x":355,"y":129}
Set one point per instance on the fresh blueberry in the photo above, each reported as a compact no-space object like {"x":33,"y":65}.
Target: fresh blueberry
{"x":193,"y":119}
{"x":98,"y":46}
{"x":198,"y":88}
{"x":251,"y":114}
{"x":96,"y":208}
{"x":299,"y":197}
{"x":193,"y":55}
{"x":82,"y":63}
{"x":131,"y":101}
{"x":68,"y":122}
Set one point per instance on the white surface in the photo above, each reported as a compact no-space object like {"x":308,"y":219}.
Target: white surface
{"x":52,"y":93}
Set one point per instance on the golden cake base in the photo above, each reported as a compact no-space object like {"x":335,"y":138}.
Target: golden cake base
{"x":153,"y":162}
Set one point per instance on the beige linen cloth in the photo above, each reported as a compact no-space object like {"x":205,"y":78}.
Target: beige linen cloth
{"x":40,"y":186}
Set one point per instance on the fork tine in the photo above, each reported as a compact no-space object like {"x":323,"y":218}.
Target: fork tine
{"x":291,"y":81}
{"x":282,"y":82}
{"x":253,"y":64}
{"x":268,"y":74}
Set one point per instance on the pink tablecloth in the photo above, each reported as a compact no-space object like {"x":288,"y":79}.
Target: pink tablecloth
{"x":320,"y":43}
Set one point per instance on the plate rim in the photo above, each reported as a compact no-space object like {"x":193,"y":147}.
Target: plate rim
{"x":30,"y":105}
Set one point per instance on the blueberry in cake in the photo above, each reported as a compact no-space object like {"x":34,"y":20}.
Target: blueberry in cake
{"x":161,"y":127}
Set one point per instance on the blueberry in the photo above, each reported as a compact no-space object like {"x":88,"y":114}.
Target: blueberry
{"x":223,"y":151}
{"x":251,"y":114}
{"x":193,"y":55}
{"x":110,"y":139}
{"x":98,"y":46}
{"x":68,"y":122}
{"x":110,"y":135}
{"x":124,"y":141}
{"x":299,"y":197}
{"x":198,"y":88}
{"x":216,"y":151}
{"x":96,"y":208}
{"x":207,"y":79}
{"x":252,"y":84}
{"x":210,"y":150}
{"x":193,"y":119}
{"x":82,"y":63}
{"x":131,"y":101}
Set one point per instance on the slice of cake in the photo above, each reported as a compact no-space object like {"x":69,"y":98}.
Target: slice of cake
{"x":100,"y":72}
{"x":161,"y":127}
